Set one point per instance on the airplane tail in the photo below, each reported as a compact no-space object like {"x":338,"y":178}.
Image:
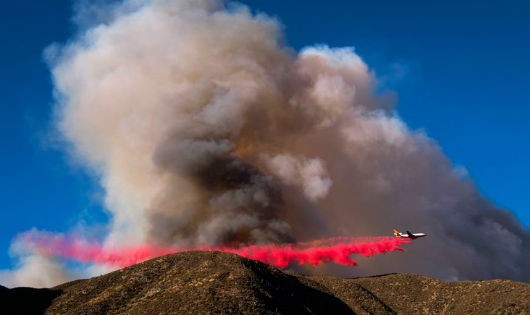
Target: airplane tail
{"x":396,"y":232}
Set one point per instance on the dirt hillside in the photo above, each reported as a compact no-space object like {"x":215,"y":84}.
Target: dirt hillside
{"x":220,"y":283}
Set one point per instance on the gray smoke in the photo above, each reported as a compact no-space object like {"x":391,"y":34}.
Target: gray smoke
{"x":205,"y":128}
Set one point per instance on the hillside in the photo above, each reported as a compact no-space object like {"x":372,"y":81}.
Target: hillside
{"x":219,"y":283}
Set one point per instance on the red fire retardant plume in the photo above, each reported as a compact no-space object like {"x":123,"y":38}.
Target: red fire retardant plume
{"x":337,"y":250}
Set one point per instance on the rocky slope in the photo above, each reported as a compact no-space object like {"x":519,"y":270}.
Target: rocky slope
{"x":219,"y":283}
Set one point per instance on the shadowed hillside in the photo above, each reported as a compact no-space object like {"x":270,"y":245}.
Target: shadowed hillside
{"x":220,"y":283}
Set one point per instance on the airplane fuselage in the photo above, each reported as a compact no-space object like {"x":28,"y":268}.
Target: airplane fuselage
{"x":414,"y":235}
{"x":408,"y":234}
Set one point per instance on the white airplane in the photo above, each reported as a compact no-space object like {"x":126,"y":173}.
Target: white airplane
{"x":408,"y":234}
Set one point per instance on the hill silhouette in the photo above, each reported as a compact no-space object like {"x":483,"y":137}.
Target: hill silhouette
{"x":221,"y":283}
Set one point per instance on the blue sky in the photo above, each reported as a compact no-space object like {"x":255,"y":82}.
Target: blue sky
{"x":461,"y":72}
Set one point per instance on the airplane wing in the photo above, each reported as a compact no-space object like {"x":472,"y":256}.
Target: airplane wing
{"x":412,"y":236}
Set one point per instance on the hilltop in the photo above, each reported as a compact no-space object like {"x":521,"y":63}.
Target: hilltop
{"x":221,"y":283}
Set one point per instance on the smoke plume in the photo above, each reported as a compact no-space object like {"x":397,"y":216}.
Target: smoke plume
{"x":34,"y":268}
{"x":206,"y":129}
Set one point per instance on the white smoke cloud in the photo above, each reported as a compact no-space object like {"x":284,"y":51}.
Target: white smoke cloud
{"x":34,"y":269}
{"x":308,"y":174}
{"x":204,"y":127}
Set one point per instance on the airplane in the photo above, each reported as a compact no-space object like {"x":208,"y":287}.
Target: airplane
{"x":412,"y":236}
